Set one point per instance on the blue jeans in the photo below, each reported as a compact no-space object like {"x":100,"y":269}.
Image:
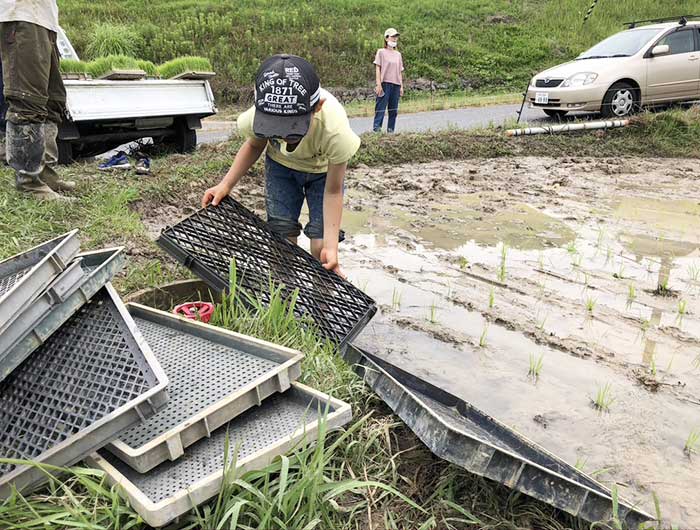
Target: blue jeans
{"x":286,"y":190}
{"x":392,"y":93}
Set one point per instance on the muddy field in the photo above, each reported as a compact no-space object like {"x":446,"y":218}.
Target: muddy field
{"x":482,"y":268}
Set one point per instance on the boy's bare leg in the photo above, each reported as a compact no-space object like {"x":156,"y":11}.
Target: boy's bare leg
{"x":316,"y":247}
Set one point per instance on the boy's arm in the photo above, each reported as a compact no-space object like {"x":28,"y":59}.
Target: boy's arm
{"x":247,"y":155}
{"x":332,"y":215}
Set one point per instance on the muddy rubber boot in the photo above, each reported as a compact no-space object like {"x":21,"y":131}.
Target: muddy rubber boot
{"x":48,"y":174}
{"x":25,"y":154}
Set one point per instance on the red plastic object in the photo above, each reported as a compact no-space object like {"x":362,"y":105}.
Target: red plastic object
{"x":195,"y":310}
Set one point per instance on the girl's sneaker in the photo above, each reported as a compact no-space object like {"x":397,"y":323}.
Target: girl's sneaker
{"x":143,"y":165}
{"x":118,"y":161}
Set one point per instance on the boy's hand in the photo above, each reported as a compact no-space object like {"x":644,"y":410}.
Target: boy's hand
{"x":329,"y":260}
{"x":214,"y":194}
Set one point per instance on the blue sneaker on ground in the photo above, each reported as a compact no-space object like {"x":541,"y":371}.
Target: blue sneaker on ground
{"x":118,"y":161}
{"x":143,"y":165}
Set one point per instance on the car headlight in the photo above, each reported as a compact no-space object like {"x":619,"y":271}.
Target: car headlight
{"x":580,"y":79}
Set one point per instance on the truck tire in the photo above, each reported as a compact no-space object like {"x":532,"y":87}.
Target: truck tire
{"x":65,"y":152}
{"x":185,"y":138}
{"x":621,"y":100}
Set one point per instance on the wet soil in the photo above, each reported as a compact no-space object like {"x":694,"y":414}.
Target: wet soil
{"x":593,"y":264}
{"x":479,"y":266}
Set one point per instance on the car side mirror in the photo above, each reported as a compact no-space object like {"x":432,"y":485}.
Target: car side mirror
{"x":661,"y":49}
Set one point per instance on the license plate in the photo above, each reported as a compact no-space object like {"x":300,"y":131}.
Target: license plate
{"x":542,"y":98}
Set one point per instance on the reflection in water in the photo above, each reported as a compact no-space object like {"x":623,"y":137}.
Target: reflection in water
{"x":650,"y":345}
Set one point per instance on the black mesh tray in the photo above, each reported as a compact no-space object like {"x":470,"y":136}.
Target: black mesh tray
{"x":90,"y":381}
{"x":282,"y":422}
{"x":208,"y":240}
{"x":465,"y":436}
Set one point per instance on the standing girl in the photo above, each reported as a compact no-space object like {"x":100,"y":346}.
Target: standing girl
{"x":389,"y":77}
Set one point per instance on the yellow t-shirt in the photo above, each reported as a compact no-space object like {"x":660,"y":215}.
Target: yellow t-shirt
{"x":330,"y":139}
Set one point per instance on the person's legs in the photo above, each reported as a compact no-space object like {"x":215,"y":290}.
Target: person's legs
{"x":314,"y":190}
{"x":284,"y":197}
{"x":393,"y":104}
{"x":379,"y":109}
{"x":25,"y":51}
{"x":55,"y":112}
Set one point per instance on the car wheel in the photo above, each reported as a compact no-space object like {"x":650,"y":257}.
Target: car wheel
{"x":556,"y":114}
{"x":621,"y":100}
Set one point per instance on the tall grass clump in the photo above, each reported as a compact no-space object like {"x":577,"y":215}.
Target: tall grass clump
{"x":113,"y":39}
{"x":184,"y":64}
{"x":103,"y":65}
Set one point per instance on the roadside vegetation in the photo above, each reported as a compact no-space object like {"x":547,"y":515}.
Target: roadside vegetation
{"x":490,"y":45}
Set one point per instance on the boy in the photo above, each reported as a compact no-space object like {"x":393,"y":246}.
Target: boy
{"x":309,"y":143}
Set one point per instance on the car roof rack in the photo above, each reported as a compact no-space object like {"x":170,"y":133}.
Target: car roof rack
{"x":682,"y":20}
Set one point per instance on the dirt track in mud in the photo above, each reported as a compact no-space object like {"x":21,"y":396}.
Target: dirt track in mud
{"x":587,"y":243}
{"x":481,"y":265}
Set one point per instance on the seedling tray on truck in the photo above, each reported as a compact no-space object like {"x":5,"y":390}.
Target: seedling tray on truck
{"x":90,"y":381}
{"x":41,"y":319}
{"x":214,"y":374}
{"x":282,"y":422}
{"x":208,"y":241}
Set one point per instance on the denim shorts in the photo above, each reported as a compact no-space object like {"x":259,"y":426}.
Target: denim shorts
{"x":286,"y":190}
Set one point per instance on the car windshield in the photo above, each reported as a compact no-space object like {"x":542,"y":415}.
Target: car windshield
{"x":620,"y":45}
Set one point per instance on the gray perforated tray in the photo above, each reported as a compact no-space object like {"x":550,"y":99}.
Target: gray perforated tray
{"x":93,"y":379}
{"x":172,"y":489}
{"x":24,"y":276}
{"x":38,"y":322}
{"x":215,"y":375}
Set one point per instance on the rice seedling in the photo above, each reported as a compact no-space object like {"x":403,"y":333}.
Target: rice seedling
{"x":363,"y":286}
{"x":608,"y":255}
{"x":576,"y":260}
{"x":692,"y":443}
{"x":147,"y":66}
{"x":449,"y":293}
{"x":484,"y":333}
{"x":580,"y":463}
{"x":599,"y":238}
{"x":644,"y":326}
{"x":71,"y":66}
{"x":696,"y":362}
{"x":183,"y":65}
{"x":396,"y":299}
{"x":540,"y":322}
{"x":603,"y":398}
{"x":535,"y":366}
{"x":682,"y":310}
{"x":540,"y":260}
{"x":631,"y":294}
{"x":571,"y":247}
{"x":694,"y":272}
{"x":463,"y":262}
{"x":590,"y":304}
{"x":492,"y":298}
{"x":662,"y":288}
{"x":432,"y":315}
{"x":103,"y":65}
{"x":113,"y":39}
{"x":502,"y":271}
{"x":620,"y":274}
{"x":652,"y":365}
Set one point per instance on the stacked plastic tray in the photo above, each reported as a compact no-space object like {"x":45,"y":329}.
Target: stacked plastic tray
{"x":223,"y":385}
{"x":149,"y":397}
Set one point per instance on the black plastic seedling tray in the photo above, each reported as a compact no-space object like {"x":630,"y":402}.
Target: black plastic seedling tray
{"x":457,"y":432}
{"x":91,"y":380}
{"x":208,"y":241}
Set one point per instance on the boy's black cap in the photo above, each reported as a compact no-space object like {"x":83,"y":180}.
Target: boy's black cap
{"x":286,"y":90}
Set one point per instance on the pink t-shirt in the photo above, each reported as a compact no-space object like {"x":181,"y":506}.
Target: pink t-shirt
{"x":390,"y":65}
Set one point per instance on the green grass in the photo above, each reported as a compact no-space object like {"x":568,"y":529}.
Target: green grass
{"x":147,"y":66}
{"x":692,"y":443}
{"x":181,"y":65}
{"x":441,"y":40}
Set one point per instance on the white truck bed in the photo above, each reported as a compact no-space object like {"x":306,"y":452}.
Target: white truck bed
{"x":108,"y":100}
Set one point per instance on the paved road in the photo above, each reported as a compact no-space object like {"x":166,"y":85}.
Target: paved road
{"x":469,"y":118}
